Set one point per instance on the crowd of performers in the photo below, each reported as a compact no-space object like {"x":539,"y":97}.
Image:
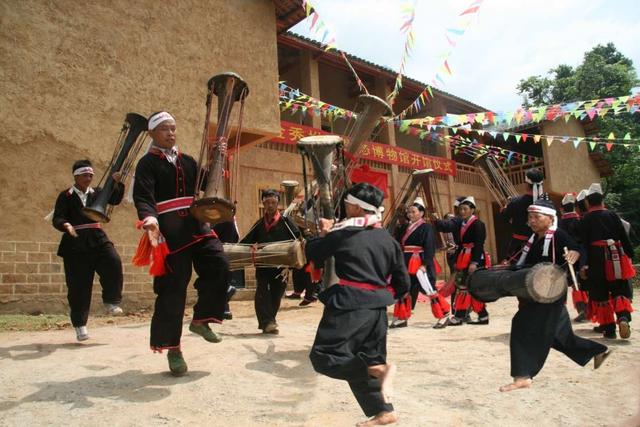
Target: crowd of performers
{"x":374,"y":269}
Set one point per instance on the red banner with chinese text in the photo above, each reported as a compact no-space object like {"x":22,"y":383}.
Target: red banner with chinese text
{"x":290,"y":133}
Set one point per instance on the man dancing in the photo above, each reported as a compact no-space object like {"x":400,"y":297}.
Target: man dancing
{"x":537,"y":327}
{"x":608,"y":268}
{"x":350,"y":343}
{"x":165,"y":182}
{"x":85,"y":248}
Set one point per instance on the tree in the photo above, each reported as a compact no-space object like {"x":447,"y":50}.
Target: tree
{"x":604,"y":72}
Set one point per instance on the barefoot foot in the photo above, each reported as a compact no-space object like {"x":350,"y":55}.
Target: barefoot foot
{"x":383,"y":418}
{"x":516,"y":384}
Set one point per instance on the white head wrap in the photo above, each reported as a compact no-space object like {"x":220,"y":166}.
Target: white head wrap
{"x":158,"y":118}
{"x":469,"y":199}
{"x":581,"y":195}
{"x":364,"y":205}
{"x":568,"y":198}
{"x":594,"y":188}
{"x":82,"y":170}
{"x":419,"y":201}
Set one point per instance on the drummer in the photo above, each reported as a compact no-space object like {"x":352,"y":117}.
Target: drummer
{"x":537,"y":327}
{"x":271,"y":281}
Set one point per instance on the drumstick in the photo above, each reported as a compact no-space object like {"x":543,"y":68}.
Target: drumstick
{"x":572,"y":271}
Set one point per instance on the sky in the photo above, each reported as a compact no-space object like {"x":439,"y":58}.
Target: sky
{"x":506,"y":41}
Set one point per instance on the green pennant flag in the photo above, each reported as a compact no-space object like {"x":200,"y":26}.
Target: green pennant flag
{"x":592,"y":145}
{"x":627,"y":136}
{"x":518,"y":138}
{"x":505,"y":136}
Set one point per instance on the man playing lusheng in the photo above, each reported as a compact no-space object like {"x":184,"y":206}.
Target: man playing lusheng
{"x":165,"y":182}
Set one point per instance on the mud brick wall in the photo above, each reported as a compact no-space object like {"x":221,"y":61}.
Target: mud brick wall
{"x":32,"y":280}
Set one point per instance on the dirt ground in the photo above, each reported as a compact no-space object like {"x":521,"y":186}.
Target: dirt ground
{"x":445,"y":377}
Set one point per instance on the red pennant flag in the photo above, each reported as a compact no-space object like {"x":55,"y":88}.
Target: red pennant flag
{"x":609,"y":145}
{"x":470,"y":10}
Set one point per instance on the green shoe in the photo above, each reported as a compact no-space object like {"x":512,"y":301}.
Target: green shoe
{"x":205,"y":332}
{"x":177,"y":365}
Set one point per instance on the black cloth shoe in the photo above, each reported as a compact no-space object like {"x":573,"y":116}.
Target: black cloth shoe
{"x":293,"y":295}
{"x":599,"y":329}
{"x":580,"y":318}
{"x":231,"y":291}
{"x":480,"y":321}
{"x":306,"y":301}
{"x":227,"y":315}
{"x":454,"y":321}
{"x":610,"y":335}
{"x":398,"y":324}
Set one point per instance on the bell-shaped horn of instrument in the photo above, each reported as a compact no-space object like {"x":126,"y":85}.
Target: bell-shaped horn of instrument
{"x":320,"y":151}
{"x":498,"y":183}
{"x":369,"y":109}
{"x":211,"y":204}
{"x":290,"y":189}
{"x":132,"y":136}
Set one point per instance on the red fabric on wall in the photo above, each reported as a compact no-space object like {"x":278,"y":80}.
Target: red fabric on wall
{"x":365,"y":174}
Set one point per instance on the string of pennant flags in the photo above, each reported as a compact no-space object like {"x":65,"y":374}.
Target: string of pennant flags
{"x":409,"y":14}
{"x":295,"y":101}
{"x":328,"y":39}
{"x":465,"y":19}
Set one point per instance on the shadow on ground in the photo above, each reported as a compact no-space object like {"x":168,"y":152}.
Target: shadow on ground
{"x":128,"y":386}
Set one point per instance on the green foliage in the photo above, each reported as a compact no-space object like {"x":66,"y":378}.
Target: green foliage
{"x":604,"y":72}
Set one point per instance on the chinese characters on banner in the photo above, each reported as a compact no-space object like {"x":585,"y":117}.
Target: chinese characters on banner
{"x":290,"y":133}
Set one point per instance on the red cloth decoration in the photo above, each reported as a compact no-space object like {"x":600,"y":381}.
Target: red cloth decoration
{"x":315,"y":273}
{"x":402,"y":309}
{"x":436,"y":266}
{"x":153,"y":256}
{"x":365,"y":174}
{"x":463,"y":260}
{"x":603,"y":312}
{"x":462,"y":301}
{"x":476,"y":306}
{"x":449,"y":287}
{"x":414,"y":264}
{"x":439,"y":307}
{"x":621,"y":303}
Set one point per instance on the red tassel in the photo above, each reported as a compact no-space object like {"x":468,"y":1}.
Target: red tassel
{"x":487,"y":260}
{"x":402,"y":309}
{"x":476,"y":306}
{"x":462,"y":301}
{"x":628,"y":271}
{"x":576,"y":296}
{"x":444,"y":305}
{"x":142,"y":256}
{"x":436,"y":266}
{"x":621,"y":303}
{"x":414,"y":263}
{"x":315,"y":273}
{"x":603,"y":312}
{"x":463,"y":260}
{"x":159,"y":255}
{"x":448,"y":288}
{"x":436,"y":309}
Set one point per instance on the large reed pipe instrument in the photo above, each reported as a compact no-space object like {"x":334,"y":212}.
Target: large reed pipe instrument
{"x":131,"y":139}
{"x":211,"y":205}
{"x":369,"y":110}
{"x":498,"y":183}
{"x":320,"y":151}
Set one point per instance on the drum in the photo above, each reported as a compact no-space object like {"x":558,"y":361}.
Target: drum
{"x":544,"y":283}
{"x":288,"y":253}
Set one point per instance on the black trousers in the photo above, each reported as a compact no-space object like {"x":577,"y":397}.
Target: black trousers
{"x":270,"y":288}
{"x":302,"y":282}
{"x":80,"y":269}
{"x":212,"y":267}
{"x":536,"y":329}
{"x":346,"y":344}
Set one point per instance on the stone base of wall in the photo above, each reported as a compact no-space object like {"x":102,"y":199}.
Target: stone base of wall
{"x":32,"y":281}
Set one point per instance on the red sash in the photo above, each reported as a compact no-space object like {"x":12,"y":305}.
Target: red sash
{"x":87,"y":226}
{"x":617,"y":265}
{"x":173,"y":204}
{"x":570,"y":215}
{"x":415,"y":261}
